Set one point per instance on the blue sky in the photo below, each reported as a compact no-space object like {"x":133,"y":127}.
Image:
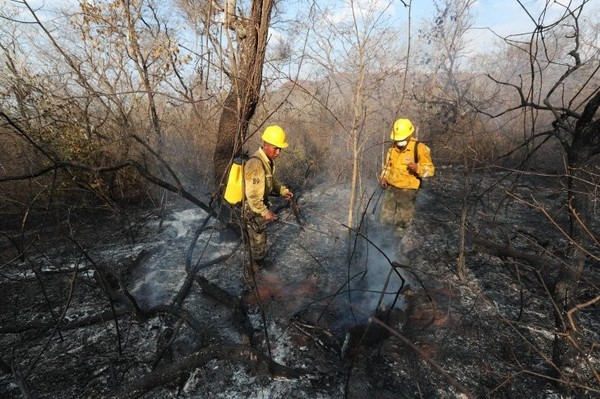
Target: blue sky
{"x":505,"y":17}
{"x":502,"y":14}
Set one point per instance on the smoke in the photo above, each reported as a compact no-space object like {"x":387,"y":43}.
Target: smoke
{"x":370,"y":280}
{"x":159,"y":276}
{"x":384,"y":279}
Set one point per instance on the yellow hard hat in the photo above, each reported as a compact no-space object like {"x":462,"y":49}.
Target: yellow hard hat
{"x":275,"y":135}
{"x":402,"y":129}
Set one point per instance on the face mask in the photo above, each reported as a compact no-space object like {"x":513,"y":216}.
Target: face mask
{"x":401,"y":144}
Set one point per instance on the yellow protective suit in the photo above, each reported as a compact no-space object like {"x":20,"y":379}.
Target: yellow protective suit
{"x":260,"y":183}
{"x":395,"y":169}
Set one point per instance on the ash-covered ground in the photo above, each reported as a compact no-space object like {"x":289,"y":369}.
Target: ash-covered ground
{"x":147,"y":304}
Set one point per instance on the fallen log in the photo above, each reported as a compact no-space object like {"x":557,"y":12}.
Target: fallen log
{"x":542,"y":265}
{"x":495,"y":249}
{"x":253,"y":358}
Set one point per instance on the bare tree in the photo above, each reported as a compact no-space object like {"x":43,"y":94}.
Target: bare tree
{"x":561,"y":85}
{"x":101,"y":104}
{"x":447,"y":93}
{"x":246,"y":52}
{"x":353,"y":64}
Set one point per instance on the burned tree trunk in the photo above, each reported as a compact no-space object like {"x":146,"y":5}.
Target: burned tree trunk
{"x":581,"y":188}
{"x":578,"y":132}
{"x":246,"y":79}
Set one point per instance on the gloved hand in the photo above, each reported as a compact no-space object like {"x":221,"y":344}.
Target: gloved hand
{"x":383,"y":183}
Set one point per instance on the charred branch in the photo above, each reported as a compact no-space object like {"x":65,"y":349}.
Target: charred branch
{"x":114,"y":287}
{"x":538,"y":262}
{"x":321,"y":336}
{"x":240,"y":311}
{"x":41,"y":326}
{"x":371,"y":333}
{"x":253,"y":359}
{"x":434,"y":365}
{"x":123,"y":165}
{"x":57,"y":164}
{"x":217,"y":293}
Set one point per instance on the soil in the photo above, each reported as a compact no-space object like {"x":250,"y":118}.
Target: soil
{"x":155,"y":304}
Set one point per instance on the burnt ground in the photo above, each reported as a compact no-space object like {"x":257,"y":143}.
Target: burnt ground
{"x":98,"y":305}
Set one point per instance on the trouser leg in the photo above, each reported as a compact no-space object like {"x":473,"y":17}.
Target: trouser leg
{"x":258,"y":243}
{"x":398,"y":208}
{"x":388,"y":209}
{"x":256,"y":233}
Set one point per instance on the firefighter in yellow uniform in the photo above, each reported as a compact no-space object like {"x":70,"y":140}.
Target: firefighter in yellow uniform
{"x":259,"y":184}
{"x":407,"y":162}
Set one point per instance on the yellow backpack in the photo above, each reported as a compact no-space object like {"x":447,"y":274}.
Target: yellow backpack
{"x":234,"y":191}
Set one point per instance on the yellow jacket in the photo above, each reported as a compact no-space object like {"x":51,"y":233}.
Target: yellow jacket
{"x":395,"y":169}
{"x":259,"y":182}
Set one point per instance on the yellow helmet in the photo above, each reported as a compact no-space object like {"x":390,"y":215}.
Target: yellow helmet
{"x":275,"y":135}
{"x":402,"y":129}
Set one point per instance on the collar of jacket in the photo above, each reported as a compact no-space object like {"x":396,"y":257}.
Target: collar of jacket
{"x":264,"y":158}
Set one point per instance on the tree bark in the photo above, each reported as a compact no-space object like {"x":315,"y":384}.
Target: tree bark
{"x":565,"y":353}
{"x":240,"y":104}
{"x":583,"y":147}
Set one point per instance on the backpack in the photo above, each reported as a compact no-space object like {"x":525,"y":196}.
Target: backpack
{"x":416,"y":151}
{"x":234,"y":190}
